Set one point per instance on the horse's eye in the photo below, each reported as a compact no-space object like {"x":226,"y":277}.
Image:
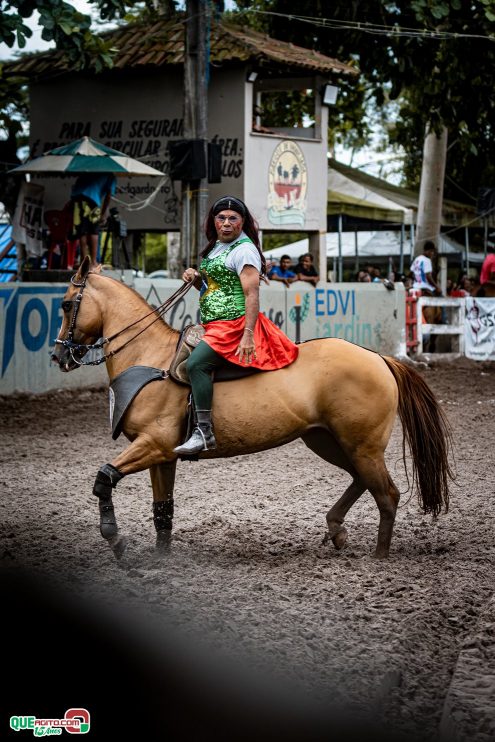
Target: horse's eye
{"x":66,"y":306}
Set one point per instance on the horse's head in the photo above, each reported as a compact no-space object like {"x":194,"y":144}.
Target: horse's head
{"x":82,"y":321}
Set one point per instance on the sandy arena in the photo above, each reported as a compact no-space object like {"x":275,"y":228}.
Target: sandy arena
{"x":248,"y":627}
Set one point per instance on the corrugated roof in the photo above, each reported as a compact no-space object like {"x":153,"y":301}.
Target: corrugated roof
{"x":162,"y":42}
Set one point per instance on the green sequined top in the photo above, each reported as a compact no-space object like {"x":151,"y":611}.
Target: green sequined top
{"x":221,"y":296}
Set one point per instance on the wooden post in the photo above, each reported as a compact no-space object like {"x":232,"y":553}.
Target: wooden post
{"x":195,"y":193}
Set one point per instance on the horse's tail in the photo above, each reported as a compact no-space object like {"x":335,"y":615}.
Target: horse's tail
{"x":428,"y":435}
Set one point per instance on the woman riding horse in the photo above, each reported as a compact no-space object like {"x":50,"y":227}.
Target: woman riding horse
{"x":236,"y":331}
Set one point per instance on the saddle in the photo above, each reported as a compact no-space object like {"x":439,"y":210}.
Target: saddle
{"x":190,"y":337}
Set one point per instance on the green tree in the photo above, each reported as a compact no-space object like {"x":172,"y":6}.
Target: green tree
{"x":430,"y":61}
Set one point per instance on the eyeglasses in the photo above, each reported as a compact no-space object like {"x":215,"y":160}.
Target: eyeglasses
{"x":230,"y":219}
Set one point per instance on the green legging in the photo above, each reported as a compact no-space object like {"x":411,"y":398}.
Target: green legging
{"x":201,"y":364}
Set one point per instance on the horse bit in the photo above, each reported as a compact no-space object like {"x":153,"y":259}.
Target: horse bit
{"x":81,"y":349}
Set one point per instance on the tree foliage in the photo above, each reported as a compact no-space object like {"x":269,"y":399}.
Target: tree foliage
{"x":429,"y":61}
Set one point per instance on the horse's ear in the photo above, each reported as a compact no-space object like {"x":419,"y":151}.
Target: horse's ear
{"x":83,"y":269}
{"x":98,"y":268}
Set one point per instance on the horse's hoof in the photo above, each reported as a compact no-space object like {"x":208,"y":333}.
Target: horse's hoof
{"x":380,"y":554}
{"x":108,"y":527}
{"x":340,"y":538}
{"x":119,"y":545}
{"x":163,"y":541}
{"x":108,"y":523}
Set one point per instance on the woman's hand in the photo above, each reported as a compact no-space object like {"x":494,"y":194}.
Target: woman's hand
{"x":190,"y":274}
{"x":247,"y":349}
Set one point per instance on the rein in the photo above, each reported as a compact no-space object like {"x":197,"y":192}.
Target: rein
{"x":82,"y":349}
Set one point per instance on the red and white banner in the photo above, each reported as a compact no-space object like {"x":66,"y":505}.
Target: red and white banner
{"x":479,"y":329}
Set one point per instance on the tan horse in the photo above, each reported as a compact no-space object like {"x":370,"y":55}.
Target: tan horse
{"x":341,"y":399}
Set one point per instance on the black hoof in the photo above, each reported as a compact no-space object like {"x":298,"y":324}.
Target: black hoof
{"x":119,"y":545}
{"x":163,"y":541}
{"x":108,"y":523}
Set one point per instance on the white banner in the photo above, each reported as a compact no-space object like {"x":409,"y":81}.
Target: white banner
{"x":28,"y":219}
{"x":479,"y":330}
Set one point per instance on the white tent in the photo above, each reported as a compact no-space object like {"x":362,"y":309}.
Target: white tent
{"x":370,"y":245}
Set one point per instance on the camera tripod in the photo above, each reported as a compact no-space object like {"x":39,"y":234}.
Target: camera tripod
{"x":118,"y":231}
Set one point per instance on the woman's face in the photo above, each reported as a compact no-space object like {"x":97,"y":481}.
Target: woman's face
{"x":228,"y":224}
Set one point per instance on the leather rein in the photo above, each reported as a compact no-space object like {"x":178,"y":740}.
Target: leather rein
{"x":81,"y":349}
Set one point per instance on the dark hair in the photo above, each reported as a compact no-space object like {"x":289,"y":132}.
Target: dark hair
{"x":229,"y":202}
{"x":286,"y":257}
{"x":429,"y":245}
{"x":250,"y":226}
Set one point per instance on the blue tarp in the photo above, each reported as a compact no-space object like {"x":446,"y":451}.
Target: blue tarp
{"x":9,"y":262}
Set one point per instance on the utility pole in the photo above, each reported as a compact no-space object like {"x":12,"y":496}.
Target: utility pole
{"x":431,"y":189}
{"x":194,"y":192}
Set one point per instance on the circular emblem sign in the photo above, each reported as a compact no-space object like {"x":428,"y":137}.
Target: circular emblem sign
{"x":287,"y":185}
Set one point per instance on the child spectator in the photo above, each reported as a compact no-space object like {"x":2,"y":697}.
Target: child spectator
{"x":283,"y":271}
{"x":305,"y":270}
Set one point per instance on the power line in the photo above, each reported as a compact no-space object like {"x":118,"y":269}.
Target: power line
{"x":373,"y":28}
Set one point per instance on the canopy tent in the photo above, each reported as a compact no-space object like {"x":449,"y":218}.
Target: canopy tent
{"x":372,"y":246}
{"x":360,"y":201}
{"x":356,"y":194}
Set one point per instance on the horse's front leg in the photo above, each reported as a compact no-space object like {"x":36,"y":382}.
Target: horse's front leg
{"x":141,"y":454}
{"x":162,"y":481}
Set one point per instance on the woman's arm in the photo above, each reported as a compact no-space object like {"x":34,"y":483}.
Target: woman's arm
{"x":250,"y":283}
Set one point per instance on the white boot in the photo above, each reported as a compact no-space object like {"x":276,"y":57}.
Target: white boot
{"x":202,"y":438}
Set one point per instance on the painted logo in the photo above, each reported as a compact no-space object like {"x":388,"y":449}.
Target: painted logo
{"x":75,"y":721}
{"x":287,"y":185}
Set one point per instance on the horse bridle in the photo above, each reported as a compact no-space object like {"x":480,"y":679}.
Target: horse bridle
{"x":82,"y":348}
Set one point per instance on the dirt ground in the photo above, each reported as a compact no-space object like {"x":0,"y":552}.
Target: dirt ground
{"x":248,"y":626}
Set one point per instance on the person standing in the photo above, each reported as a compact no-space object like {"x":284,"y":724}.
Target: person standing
{"x":235,"y":330}
{"x":422,"y":269}
{"x":91,"y":196}
{"x":487,"y":276}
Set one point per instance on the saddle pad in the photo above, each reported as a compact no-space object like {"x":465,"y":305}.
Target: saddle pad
{"x":125,"y":387}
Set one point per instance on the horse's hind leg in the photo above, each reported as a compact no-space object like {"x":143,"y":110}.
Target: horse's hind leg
{"x":162,"y":481}
{"x":376,"y":478}
{"x":324,"y":444}
{"x":336,"y":515}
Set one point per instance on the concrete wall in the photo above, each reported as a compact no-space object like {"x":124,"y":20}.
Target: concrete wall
{"x":30,"y":317}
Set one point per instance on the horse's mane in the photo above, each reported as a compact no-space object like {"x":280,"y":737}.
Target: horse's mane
{"x":142,"y":300}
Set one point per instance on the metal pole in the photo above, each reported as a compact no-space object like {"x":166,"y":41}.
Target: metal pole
{"x":402,"y":238}
{"x":466,"y":243}
{"x":356,"y":250}
{"x":339,"y":277}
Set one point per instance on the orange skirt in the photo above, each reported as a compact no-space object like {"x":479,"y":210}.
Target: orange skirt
{"x":273,"y":348}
